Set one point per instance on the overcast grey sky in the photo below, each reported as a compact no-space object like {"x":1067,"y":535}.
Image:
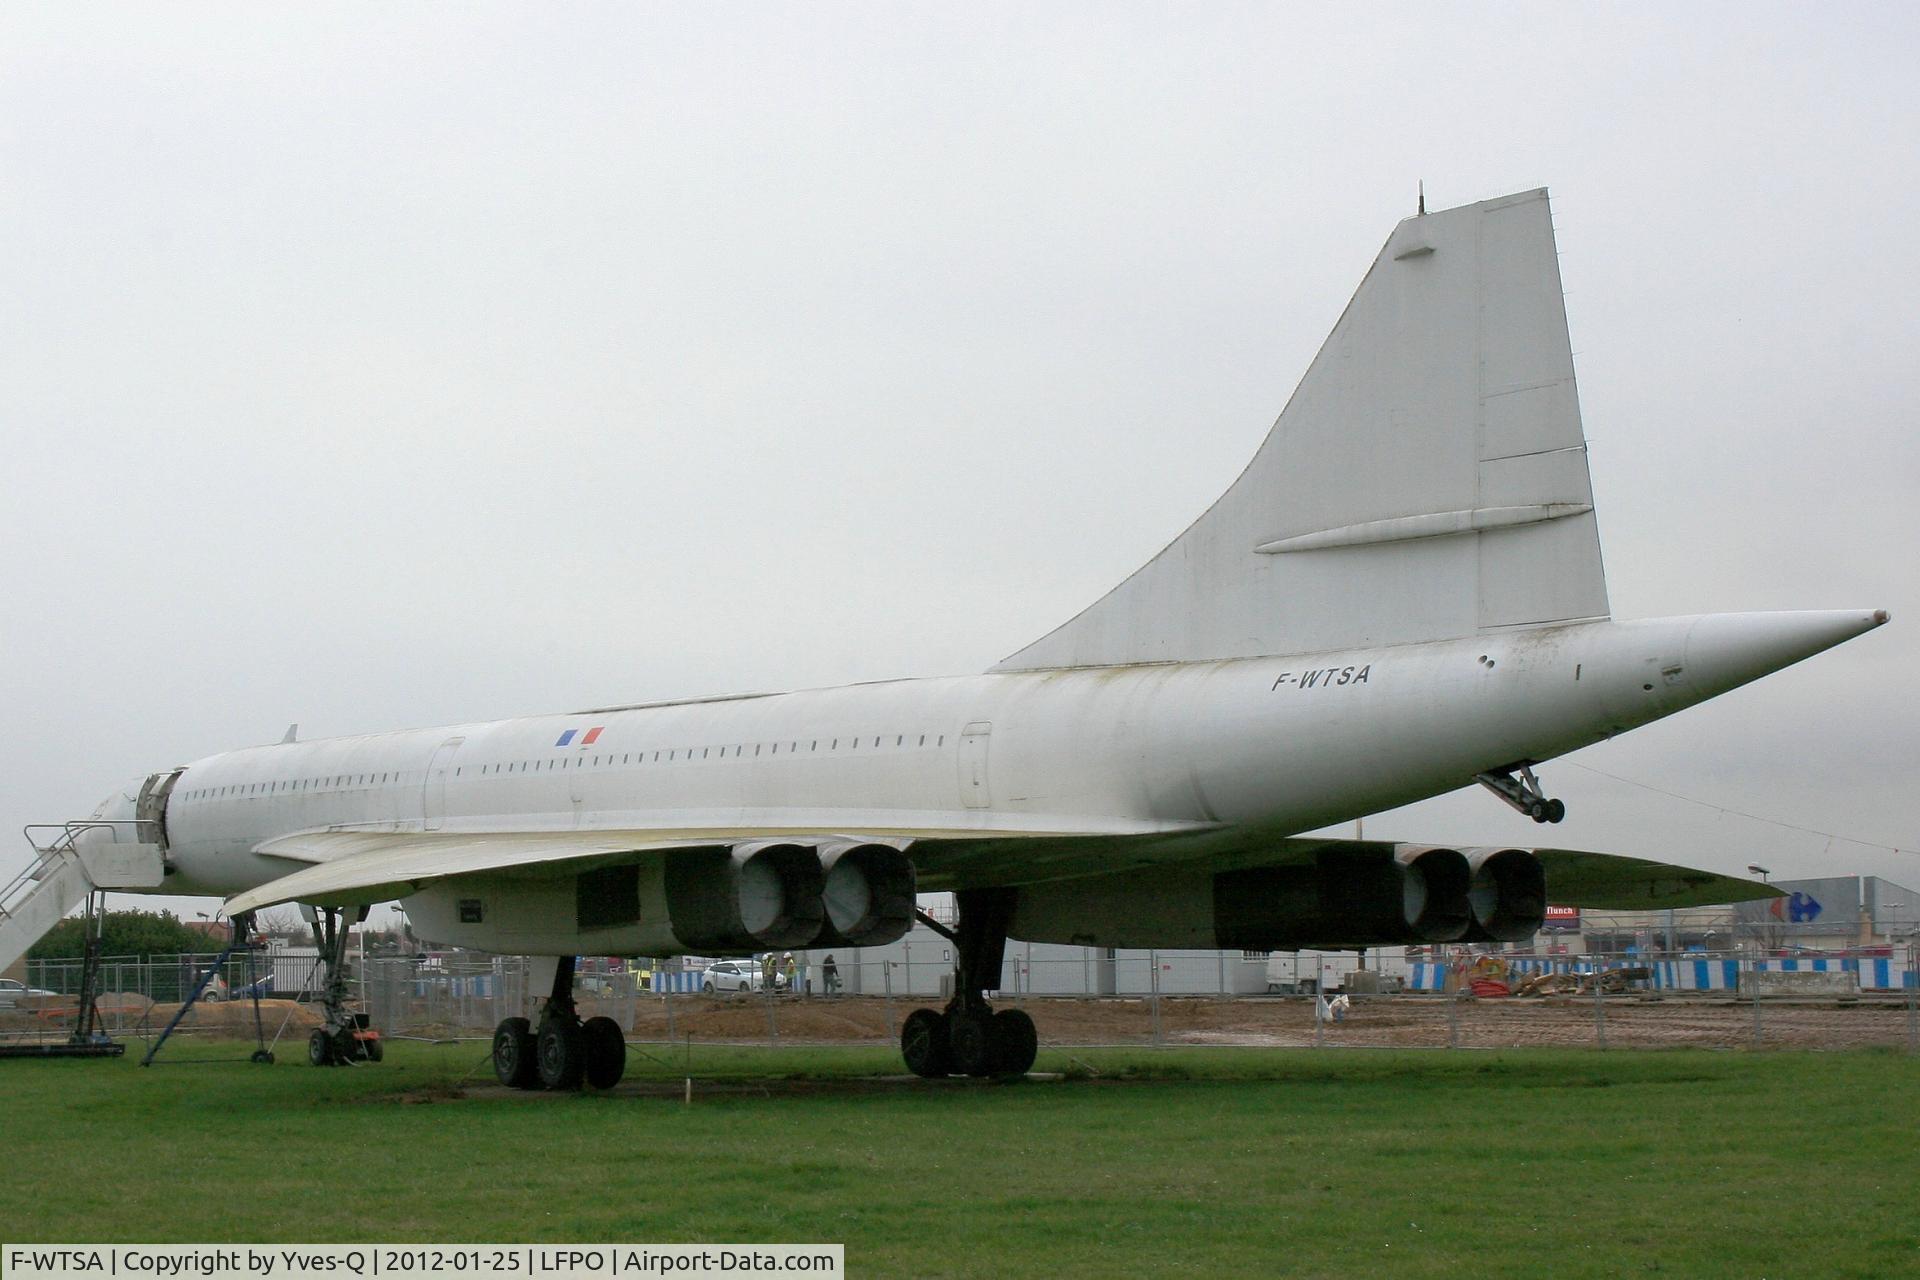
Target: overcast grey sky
{"x":383,"y":366}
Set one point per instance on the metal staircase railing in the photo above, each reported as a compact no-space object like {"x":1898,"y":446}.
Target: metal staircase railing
{"x":57,"y":866}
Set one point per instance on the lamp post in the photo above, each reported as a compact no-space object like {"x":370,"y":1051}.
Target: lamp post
{"x":1764,"y":874}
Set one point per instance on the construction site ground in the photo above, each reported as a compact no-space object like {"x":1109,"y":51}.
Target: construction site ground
{"x":1399,"y":1021}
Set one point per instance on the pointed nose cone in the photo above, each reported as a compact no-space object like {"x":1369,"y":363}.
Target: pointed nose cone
{"x":1726,"y":650}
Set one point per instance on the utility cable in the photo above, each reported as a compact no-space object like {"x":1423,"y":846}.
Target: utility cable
{"x":1742,"y":813}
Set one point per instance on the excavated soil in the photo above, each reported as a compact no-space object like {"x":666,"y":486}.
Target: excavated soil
{"x":122,"y":1013}
{"x":1389,"y":1021}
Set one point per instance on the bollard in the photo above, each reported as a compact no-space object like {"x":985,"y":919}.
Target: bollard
{"x":1911,"y":981}
{"x":886,"y":977}
{"x":1599,"y":1009}
{"x":1153,"y":987}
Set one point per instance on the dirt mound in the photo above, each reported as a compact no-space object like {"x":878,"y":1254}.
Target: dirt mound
{"x":237,"y":1015}
{"x":131,"y":1002}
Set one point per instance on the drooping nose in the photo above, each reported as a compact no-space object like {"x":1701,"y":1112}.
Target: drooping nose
{"x":1726,"y":650}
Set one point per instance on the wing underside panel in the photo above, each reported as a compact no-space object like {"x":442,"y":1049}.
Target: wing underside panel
{"x":359,"y":867}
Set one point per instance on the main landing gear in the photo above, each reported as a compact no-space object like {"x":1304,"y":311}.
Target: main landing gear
{"x":563,"y":1052}
{"x":968,"y":1037}
{"x":1516,"y":785}
{"x":343,"y":1037}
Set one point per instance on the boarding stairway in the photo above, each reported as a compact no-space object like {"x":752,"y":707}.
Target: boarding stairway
{"x":72,"y":860}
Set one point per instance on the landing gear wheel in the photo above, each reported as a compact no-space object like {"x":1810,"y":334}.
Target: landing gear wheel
{"x":971,"y":1038}
{"x":1556,"y":810}
{"x":375,"y":1049}
{"x":606,"y":1050}
{"x":923,"y":1043}
{"x":561,"y":1051}
{"x":320,"y":1048}
{"x":513,"y":1060}
{"x":1537,"y":810}
{"x":1015,"y":1042}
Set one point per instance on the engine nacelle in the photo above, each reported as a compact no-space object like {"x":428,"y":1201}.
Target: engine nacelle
{"x":753,"y":897}
{"x":867,"y":894}
{"x":1508,"y":897}
{"x":1348,"y":897}
{"x":1435,"y":902}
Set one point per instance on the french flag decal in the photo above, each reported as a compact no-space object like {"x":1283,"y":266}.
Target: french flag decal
{"x":592,"y":736}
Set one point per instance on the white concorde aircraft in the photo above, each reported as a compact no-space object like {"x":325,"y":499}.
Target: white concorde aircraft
{"x":1400,"y":595}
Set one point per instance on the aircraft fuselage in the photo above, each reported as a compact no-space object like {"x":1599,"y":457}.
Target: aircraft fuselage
{"x":1289,"y":744}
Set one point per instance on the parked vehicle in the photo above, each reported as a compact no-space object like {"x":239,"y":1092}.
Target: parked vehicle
{"x":14,"y":993}
{"x":723,"y":976}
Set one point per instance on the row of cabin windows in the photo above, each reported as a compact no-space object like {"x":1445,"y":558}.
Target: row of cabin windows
{"x":298,"y":784}
{"x":676,"y":754}
{"x":531,"y":766}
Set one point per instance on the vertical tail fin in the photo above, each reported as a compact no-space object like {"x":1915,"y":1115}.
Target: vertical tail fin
{"x":1427,"y":480}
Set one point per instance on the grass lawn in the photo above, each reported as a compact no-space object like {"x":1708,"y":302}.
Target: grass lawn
{"x":1189,"y":1161}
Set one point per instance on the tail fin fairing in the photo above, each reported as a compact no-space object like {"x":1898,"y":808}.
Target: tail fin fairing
{"x":1428,"y":479}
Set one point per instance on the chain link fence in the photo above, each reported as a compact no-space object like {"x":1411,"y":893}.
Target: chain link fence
{"x":1471,"y":1000}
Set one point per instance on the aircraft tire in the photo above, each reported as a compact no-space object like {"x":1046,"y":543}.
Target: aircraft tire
{"x":513,"y":1062}
{"x":972,"y":1044}
{"x":320,"y":1048}
{"x":923,"y":1043}
{"x":606,"y":1050}
{"x":1015,"y":1042}
{"x":561,"y":1051}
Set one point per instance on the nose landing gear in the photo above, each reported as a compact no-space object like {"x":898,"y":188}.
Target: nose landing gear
{"x":344,"y":1037}
{"x":969,"y":1037}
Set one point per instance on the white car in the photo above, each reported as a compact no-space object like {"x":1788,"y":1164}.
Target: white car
{"x":732,"y":975}
{"x":14,"y":993}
